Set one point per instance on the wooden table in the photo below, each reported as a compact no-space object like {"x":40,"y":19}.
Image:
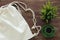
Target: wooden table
{"x":36,"y":5}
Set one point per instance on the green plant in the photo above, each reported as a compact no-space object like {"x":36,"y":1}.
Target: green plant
{"x":48,"y":31}
{"x":48,"y":12}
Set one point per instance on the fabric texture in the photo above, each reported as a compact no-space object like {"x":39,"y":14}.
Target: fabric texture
{"x":13,"y":25}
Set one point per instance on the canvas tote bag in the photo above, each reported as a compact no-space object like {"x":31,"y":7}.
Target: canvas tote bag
{"x":13,"y":26}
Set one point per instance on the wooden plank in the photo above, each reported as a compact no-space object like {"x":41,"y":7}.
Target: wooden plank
{"x":36,"y":5}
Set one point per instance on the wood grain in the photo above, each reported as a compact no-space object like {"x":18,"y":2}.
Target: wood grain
{"x":36,"y":5}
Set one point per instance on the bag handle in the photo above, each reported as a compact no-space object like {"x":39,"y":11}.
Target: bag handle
{"x":27,"y":9}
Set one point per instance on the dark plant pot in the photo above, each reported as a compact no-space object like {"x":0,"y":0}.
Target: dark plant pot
{"x":48,"y":31}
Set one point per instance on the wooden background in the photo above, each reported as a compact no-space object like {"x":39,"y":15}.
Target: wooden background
{"x":36,"y":5}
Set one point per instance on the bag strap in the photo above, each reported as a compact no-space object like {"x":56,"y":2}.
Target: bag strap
{"x":27,"y":9}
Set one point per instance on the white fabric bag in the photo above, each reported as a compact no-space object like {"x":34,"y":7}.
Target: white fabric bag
{"x":13,"y":26}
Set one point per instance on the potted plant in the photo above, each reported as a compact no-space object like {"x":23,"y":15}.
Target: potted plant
{"x":48,"y":13}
